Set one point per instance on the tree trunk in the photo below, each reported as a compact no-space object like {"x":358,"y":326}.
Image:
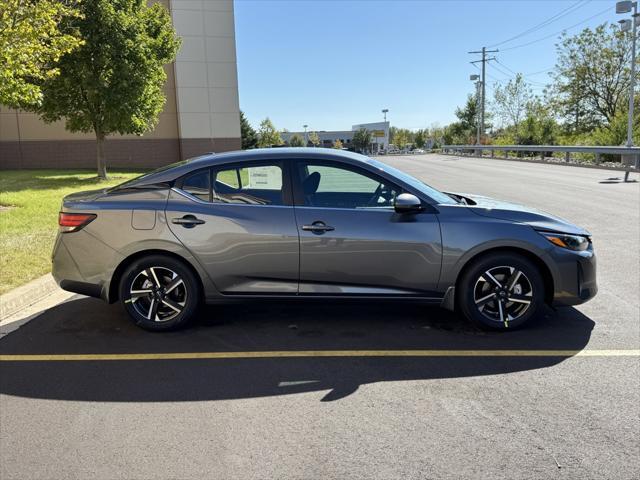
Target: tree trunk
{"x":101,"y":160}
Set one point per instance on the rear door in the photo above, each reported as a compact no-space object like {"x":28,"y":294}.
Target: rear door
{"x":238,"y":221}
{"x":352,"y":241}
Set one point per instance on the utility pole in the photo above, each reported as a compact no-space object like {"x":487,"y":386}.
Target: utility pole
{"x":483,"y":80}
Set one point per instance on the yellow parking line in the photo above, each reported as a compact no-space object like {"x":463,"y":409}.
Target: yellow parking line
{"x":318,"y":353}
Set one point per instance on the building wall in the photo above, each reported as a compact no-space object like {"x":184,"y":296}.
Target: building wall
{"x":201,"y":112}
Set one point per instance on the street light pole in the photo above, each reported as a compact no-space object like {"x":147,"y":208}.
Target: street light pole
{"x":632,"y":85}
{"x":306,"y":141}
{"x":626,"y":25}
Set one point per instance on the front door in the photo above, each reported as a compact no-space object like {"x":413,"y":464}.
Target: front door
{"x":353,"y":242}
{"x":238,"y":221}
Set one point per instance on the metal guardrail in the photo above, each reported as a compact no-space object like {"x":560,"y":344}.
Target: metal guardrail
{"x":630,"y":156}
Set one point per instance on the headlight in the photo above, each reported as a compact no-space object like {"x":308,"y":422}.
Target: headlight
{"x":577,"y":243}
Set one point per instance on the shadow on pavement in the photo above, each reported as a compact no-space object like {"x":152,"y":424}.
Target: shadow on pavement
{"x":89,"y":326}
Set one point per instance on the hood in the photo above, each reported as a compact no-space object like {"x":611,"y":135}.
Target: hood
{"x":514,"y":212}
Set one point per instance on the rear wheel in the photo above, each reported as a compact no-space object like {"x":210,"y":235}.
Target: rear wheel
{"x":501,"y":291}
{"x":159,"y":293}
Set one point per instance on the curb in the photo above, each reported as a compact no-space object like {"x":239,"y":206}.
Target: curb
{"x":27,"y":295}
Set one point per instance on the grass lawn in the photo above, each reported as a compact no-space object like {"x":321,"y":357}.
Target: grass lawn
{"x":29,"y":204}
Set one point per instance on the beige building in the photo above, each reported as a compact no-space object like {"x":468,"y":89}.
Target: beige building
{"x":201,"y":114}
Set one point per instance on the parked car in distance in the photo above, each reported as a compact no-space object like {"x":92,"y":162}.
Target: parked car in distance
{"x":313,"y":223}
{"x":418,"y":150}
{"x":392,"y":149}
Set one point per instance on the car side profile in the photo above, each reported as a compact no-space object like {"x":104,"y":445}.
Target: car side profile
{"x":308,"y":223}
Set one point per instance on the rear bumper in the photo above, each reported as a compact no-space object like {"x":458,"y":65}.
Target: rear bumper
{"x":83,"y":288}
{"x":67,"y":274}
{"x":575,"y":281}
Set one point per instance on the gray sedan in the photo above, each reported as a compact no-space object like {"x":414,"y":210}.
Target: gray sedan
{"x":313,"y":223}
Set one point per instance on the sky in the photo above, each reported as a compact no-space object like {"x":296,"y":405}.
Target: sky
{"x":332,"y":63}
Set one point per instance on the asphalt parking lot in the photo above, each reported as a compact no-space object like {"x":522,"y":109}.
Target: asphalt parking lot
{"x":246,"y":403}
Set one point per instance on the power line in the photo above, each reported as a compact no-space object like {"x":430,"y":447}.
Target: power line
{"x":571,"y":8}
{"x":539,"y":72}
{"x":557,"y":33}
{"x":523,"y":75}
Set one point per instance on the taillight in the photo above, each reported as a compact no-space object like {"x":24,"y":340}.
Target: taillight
{"x":72,"y":222}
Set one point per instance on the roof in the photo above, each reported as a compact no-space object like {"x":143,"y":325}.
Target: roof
{"x":173,"y":171}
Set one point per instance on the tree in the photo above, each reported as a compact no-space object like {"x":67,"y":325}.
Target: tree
{"x":113,"y":83}
{"x":591,"y":77}
{"x":401,"y":137}
{"x":420,"y":138}
{"x":361,"y":139}
{"x":31,"y":44}
{"x":268,"y":136}
{"x":513,"y":101}
{"x":538,"y":127}
{"x":247,"y":133}
{"x":314,"y":139}
{"x":337,"y":144}
{"x":296,"y":141}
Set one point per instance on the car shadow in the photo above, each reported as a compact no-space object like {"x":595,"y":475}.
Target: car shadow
{"x":86,"y":325}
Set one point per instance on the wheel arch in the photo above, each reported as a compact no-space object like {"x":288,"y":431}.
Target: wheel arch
{"x":113,"y":293}
{"x":543,"y":268}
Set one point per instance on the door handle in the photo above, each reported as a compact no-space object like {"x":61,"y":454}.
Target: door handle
{"x":188,"y":221}
{"x":318,"y":227}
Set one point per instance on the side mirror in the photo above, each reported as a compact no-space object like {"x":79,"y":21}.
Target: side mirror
{"x":407,"y":203}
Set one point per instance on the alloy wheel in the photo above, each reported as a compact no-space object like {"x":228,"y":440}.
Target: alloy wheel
{"x":503,"y":294}
{"x":158,"y":294}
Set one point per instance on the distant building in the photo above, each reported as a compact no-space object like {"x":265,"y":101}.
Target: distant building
{"x":201,"y":113}
{"x":379,"y":136}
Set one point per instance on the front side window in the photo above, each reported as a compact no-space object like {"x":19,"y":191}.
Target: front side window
{"x":253,"y":185}
{"x":338,"y":187}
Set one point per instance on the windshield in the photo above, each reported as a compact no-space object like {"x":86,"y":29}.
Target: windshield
{"x":431,"y":192}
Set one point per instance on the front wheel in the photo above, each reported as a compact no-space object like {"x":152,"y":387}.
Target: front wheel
{"x":501,"y":291}
{"x":159,"y":293}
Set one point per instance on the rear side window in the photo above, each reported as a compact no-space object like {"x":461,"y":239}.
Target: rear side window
{"x":198,"y":185}
{"x":252,"y":185}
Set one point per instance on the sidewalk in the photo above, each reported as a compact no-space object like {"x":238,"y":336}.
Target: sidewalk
{"x":28,"y":301}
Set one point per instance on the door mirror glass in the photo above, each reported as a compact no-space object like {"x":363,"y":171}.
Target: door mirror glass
{"x":407,"y":203}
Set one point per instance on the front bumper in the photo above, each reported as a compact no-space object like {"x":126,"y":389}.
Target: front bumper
{"x":575,"y":281}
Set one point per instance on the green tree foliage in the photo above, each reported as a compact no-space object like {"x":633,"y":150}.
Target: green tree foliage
{"x":401,"y":138}
{"x":337,"y":144}
{"x":361,"y":139}
{"x":513,"y":102}
{"x":464,"y":131}
{"x":247,"y":133}
{"x":268,"y":135}
{"x":31,"y":44}
{"x":296,"y":141}
{"x":113,"y":83}
{"x":538,"y":127}
{"x":314,"y":139}
{"x":420,"y":138}
{"x":591,"y":77}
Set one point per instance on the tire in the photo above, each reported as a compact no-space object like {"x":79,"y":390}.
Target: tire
{"x":501,"y":291}
{"x":159,"y":293}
